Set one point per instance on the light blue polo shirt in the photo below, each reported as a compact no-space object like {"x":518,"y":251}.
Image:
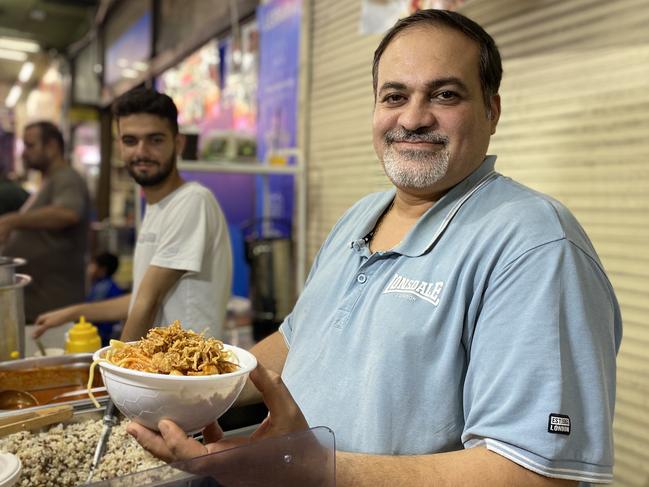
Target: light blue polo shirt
{"x":492,"y":323}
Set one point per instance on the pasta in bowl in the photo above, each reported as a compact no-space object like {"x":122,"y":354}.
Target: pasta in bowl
{"x":175,"y":374}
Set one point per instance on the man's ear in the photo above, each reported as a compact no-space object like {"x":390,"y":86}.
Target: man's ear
{"x":180,"y":143}
{"x":51,"y":148}
{"x":494,"y":112}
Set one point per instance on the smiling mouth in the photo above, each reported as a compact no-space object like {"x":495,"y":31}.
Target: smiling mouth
{"x":418,"y":144}
{"x":427,"y":142}
{"x":143,"y":164}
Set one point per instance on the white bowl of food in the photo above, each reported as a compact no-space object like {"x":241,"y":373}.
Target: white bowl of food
{"x":191,"y":396}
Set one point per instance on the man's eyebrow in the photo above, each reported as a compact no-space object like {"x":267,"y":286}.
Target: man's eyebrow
{"x":149,"y":135}
{"x":392,"y":85}
{"x":431,"y":85}
{"x":450,"y":80}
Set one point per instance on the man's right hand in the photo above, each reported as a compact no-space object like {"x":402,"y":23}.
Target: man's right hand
{"x":172,"y":444}
{"x":52,"y":319}
{"x":114,"y":309}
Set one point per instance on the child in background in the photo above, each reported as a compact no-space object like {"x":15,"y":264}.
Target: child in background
{"x":102,"y":286}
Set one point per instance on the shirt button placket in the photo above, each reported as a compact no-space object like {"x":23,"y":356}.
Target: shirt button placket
{"x":361,"y":278}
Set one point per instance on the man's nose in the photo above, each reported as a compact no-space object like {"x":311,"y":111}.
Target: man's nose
{"x":141,"y":149}
{"x":416,"y":114}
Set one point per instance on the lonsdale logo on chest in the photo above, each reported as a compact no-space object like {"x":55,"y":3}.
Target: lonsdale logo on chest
{"x":429,"y":291}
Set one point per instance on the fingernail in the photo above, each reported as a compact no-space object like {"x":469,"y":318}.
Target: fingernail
{"x":132,"y":432}
{"x":163,"y":426}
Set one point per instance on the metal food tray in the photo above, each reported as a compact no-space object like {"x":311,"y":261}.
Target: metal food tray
{"x":76,"y":361}
{"x":167,"y":475}
{"x":78,"y":405}
{"x":236,"y":419}
{"x":294,"y":460}
{"x":83,"y":410}
{"x":71,"y":359}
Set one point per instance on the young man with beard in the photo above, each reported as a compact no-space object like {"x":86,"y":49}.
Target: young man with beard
{"x":50,"y":231}
{"x":457,"y":330}
{"x":182,"y":267}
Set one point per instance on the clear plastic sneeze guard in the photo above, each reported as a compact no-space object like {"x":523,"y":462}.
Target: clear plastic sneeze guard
{"x":294,"y":460}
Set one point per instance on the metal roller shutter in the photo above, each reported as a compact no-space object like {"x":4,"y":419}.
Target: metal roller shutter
{"x":575,"y":125}
{"x":342,"y":165}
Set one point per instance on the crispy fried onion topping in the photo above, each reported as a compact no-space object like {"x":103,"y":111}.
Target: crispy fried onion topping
{"x":174,"y":351}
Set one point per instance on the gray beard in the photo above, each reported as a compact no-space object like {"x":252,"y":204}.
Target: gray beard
{"x":415,"y":169}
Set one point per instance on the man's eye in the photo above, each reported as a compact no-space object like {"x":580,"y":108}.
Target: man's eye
{"x":128,"y":141}
{"x":446,"y":95}
{"x":158,"y":140}
{"x":393,"y":98}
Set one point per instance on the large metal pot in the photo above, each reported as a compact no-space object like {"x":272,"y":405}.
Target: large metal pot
{"x":12,"y":318}
{"x":272,"y":281}
{"x":7,"y":269}
{"x":269,"y":251}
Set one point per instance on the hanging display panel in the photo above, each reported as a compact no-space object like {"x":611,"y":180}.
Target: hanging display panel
{"x":127,"y":45}
{"x":86,"y":85}
{"x":280,"y":30}
{"x":180,"y":21}
{"x":215,"y":90}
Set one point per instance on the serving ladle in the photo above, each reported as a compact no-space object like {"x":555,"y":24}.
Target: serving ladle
{"x":40,"y":346}
{"x":15,"y":399}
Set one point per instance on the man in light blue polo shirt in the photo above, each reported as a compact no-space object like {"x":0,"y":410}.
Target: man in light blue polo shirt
{"x":458,"y":329}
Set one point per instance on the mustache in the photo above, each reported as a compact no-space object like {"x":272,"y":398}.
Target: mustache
{"x":136,"y":161}
{"x":404,"y":135}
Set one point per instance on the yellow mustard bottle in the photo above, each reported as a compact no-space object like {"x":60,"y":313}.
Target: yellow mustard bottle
{"x":82,"y":337}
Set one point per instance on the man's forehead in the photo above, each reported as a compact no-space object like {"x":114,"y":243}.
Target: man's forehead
{"x":429,"y":46}
{"x":32,"y":133}
{"x":143,"y":124}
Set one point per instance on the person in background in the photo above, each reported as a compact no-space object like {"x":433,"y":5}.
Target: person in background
{"x":458,"y":329}
{"x":102,"y":286}
{"x":51,"y":229}
{"x":12,"y":196}
{"x":182,"y":267}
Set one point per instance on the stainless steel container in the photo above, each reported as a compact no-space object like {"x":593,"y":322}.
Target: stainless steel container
{"x":272,"y":283}
{"x":69,"y":360}
{"x":7,"y":269}
{"x":12,"y":318}
{"x":49,"y":379}
{"x":272,"y":277}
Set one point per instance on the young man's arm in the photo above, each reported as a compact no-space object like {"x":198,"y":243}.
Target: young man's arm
{"x":108,"y":310}
{"x":155,"y":285}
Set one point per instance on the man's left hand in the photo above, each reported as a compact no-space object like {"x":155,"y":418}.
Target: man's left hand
{"x":172,"y":444}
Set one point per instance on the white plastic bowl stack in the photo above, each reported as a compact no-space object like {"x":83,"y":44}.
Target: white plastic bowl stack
{"x":192,"y":402}
{"x":10,"y":468}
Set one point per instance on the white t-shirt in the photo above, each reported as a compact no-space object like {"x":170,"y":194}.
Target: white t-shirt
{"x":187,"y":230}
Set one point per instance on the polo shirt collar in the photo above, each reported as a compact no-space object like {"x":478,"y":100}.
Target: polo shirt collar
{"x":432,"y":223}
{"x":369,"y":219}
